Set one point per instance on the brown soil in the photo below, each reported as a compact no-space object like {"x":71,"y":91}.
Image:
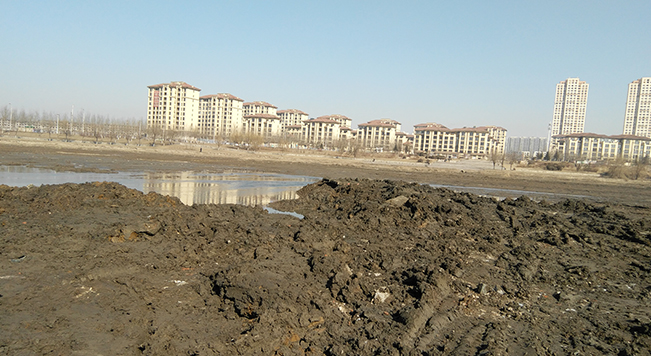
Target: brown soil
{"x":376,"y":267}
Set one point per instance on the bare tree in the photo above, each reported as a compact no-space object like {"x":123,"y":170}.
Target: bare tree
{"x":495,"y":157}
{"x":640,"y":168}
{"x":513,"y":158}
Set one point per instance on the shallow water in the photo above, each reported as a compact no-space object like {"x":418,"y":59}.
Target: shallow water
{"x":220,"y":188}
{"x":189,"y":187}
{"x":510,"y":193}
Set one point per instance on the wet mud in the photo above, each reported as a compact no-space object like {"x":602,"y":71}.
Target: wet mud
{"x":373,"y":268}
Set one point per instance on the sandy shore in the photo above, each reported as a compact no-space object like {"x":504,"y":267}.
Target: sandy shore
{"x":79,"y":156}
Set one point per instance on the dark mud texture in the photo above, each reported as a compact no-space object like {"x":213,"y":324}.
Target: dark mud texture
{"x":374,"y":268}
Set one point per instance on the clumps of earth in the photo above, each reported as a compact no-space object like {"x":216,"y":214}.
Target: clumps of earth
{"x":372,"y":268}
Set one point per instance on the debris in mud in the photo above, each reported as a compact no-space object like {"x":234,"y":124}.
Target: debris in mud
{"x":372,"y":268}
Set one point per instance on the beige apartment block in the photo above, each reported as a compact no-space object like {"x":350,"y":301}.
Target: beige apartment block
{"x":259,"y":107}
{"x":346,"y":133}
{"x":570,"y":105}
{"x":294,"y":133}
{"x":378,"y":134}
{"x":470,"y":142}
{"x":265,"y":125}
{"x":291,"y":117}
{"x":633,"y":148}
{"x":321,"y":132}
{"x":637,"y":120}
{"x":220,"y":115}
{"x":597,"y":147}
{"x":173,"y":106}
{"x":343,"y":120}
{"x":434,"y":139}
{"x":473,"y":142}
{"x":404,"y":142}
{"x":498,"y":138}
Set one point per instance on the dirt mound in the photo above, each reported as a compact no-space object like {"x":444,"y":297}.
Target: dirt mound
{"x":373,"y":268}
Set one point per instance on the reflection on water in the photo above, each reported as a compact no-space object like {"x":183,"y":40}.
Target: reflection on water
{"x":226,"y":188}
{"x":190,"y":187}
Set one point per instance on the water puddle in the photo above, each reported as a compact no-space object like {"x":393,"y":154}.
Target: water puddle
{"x":190,"y":187}
{"x":510,"y":193}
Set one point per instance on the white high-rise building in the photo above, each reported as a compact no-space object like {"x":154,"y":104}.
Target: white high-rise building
{"x":173,"y":106}
{"x":569,"y":107}
{"x":637,"y":120}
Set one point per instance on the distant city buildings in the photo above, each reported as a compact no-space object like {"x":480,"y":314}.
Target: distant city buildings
{"x":529,"y":146}
{"x":637,"y":120}
{"x":567,"y":129}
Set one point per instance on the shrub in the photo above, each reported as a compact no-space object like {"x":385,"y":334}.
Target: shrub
{"x":554,"y":166}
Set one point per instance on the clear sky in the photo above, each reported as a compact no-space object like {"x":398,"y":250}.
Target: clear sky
{"x":457,"y":63}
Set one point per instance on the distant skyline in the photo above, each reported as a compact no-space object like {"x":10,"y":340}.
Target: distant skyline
{"x":465,"y":63}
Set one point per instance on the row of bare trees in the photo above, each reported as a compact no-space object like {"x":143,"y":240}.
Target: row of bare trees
{"x":105,"y":129}
{"x":96,"y":128}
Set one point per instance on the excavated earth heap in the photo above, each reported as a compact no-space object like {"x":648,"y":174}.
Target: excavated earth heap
{"x":372,"y":268}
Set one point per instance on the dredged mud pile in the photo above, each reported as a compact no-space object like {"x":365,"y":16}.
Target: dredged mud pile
{"x":373,"y":268}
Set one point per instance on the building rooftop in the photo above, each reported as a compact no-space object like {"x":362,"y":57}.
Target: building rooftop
{"x":174,"y":84}
{"x":262,"y":116}
{"x":594,"y":135}
{"x":259,"y":103}
{"x":323,"y":119}
{"x":377,"y":123}
{"x":334,"y":117}
{"x":429,"y":125}
{"x":221,"y":96}
{"x":291,"y":111}
{"x":471,"y":129}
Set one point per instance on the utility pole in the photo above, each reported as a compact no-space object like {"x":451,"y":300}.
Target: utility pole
{"x":72,"y":118}
{"x":549,"y":137}
{"x":57,"y":124}
{"x":11,"y":116}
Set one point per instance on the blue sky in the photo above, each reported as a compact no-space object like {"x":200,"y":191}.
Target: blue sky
{"x":457,"y":63}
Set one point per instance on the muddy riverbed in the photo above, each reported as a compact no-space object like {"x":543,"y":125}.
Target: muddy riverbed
{"x":374,"y":267}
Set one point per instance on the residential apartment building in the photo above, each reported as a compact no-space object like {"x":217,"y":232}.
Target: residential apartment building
{"x":343,"y":120}
{"x":378,"y":134}
{"x":432,"y":138}
{"x":637,"y":120}
{"x":220,"y":115}
{"x":596,"y":147}
{"x":259,"y":107}
{"x":498,"y":138}
{"x":469,"y":142}
{"x":570,"y":105}
{"x":294,"y":133}
{"x":321,"y":132}
{"x":265,"y":125}
{"x":291,"y":117}
{"x":173,"y":106}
